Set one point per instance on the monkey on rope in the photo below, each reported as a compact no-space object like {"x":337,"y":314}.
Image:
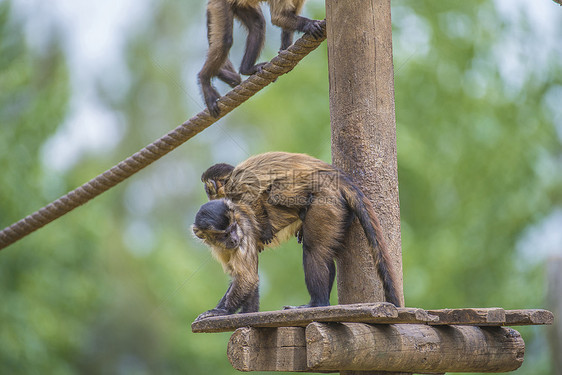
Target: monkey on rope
{"x":220,"y":18}
{"x":271,"y":196}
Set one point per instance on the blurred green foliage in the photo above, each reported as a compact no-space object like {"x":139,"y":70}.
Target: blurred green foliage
{"x":113,"y":287}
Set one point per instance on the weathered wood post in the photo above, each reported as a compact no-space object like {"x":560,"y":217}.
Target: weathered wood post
{"x":364,"y":132}
{"x":359,"y":36}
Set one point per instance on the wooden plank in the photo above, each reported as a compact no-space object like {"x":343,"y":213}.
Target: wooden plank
{"x":268,"y":349}
{"x":375,"y":313}
{"x":415,"y":348}
{"x":480,"y":317}
{"x":380,"y":312}
{"x":414,"y":315}
{"x":528,"y":317}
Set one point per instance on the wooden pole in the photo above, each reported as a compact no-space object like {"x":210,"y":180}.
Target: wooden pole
{"x":359,"y":36}
{"x":361,"y":75}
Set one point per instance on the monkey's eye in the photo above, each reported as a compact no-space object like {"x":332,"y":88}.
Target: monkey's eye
{"x":222,"y":236}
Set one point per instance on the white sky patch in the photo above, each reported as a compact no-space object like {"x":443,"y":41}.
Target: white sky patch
{"x":88,"y":128}
{"x":524,"y":52}
{"x":541,"y":241}
{"x":553,"y":102}
{"x":412,"y":35}
{"x":93,"y":35}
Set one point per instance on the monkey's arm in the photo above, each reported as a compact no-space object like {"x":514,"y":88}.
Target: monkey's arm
{"x":288,"y":20}
{"x":241,"y":294}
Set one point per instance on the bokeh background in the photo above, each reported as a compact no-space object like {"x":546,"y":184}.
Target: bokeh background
{"x":112,"y":287}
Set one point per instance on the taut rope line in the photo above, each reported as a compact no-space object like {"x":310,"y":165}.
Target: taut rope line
{"x":279,"y":65}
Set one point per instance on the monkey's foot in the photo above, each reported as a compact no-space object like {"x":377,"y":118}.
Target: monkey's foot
{"x":314,"y":28}
{"x":212,"y":312}
{"x":211,"y":97}
{"x":254,"y":69}
{"x":213,"y":107}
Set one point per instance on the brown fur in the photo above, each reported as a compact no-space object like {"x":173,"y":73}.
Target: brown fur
{"x":284,"y":189}
{"x":220,"y":18}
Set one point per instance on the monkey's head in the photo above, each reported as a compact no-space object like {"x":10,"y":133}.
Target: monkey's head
{"x":215,"y":178}
{"x":216,"y":225}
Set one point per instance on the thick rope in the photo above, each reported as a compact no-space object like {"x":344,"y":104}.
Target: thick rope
{"x":279,"y":65}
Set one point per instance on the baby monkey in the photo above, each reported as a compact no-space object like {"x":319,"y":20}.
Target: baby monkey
{"x":275,"y":195}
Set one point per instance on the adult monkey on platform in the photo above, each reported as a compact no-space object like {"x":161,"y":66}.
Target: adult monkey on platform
{"x":220,"y":18}
{"x":283,"y":192}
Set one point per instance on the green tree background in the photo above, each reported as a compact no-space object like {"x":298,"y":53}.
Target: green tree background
{"x":113,"y":286}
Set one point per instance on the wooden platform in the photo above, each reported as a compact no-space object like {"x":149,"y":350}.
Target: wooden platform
{"x":375,"y":313}
{"x":376,"y":337}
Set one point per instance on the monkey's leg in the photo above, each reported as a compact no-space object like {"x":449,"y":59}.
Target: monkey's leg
{"x":319,"y":274}
{"x":252,"y":19}
{"x":323,"y":233}
{"x":252,"y":302}
{"x":286,"y":39}
{"x":220,"y":20}
{"x":229,"y":75}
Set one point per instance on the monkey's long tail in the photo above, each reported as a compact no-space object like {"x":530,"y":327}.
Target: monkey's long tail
{"x":368,"y":219}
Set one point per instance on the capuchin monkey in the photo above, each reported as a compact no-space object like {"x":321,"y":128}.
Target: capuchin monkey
{"x":285,"y":193}
{"x":220,"y":18}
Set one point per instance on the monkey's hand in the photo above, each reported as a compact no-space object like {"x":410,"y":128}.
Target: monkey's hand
{"x":267,"y":236}
{"x":212,"y":312}
{"x":258,"y":67}
{"x":299,"y":235}
{"x":314,"y":28}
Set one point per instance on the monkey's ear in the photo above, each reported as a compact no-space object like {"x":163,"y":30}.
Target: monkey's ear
{"x":198,"y":232}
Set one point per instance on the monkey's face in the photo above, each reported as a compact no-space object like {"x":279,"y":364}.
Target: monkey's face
{"x":228,"y":238}
{"x":216,"y":225}
{"x":214,"y":189}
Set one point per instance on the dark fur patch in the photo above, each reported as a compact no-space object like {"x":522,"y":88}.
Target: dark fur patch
{"x":213,"y":215}
{"x":217,"y":172}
